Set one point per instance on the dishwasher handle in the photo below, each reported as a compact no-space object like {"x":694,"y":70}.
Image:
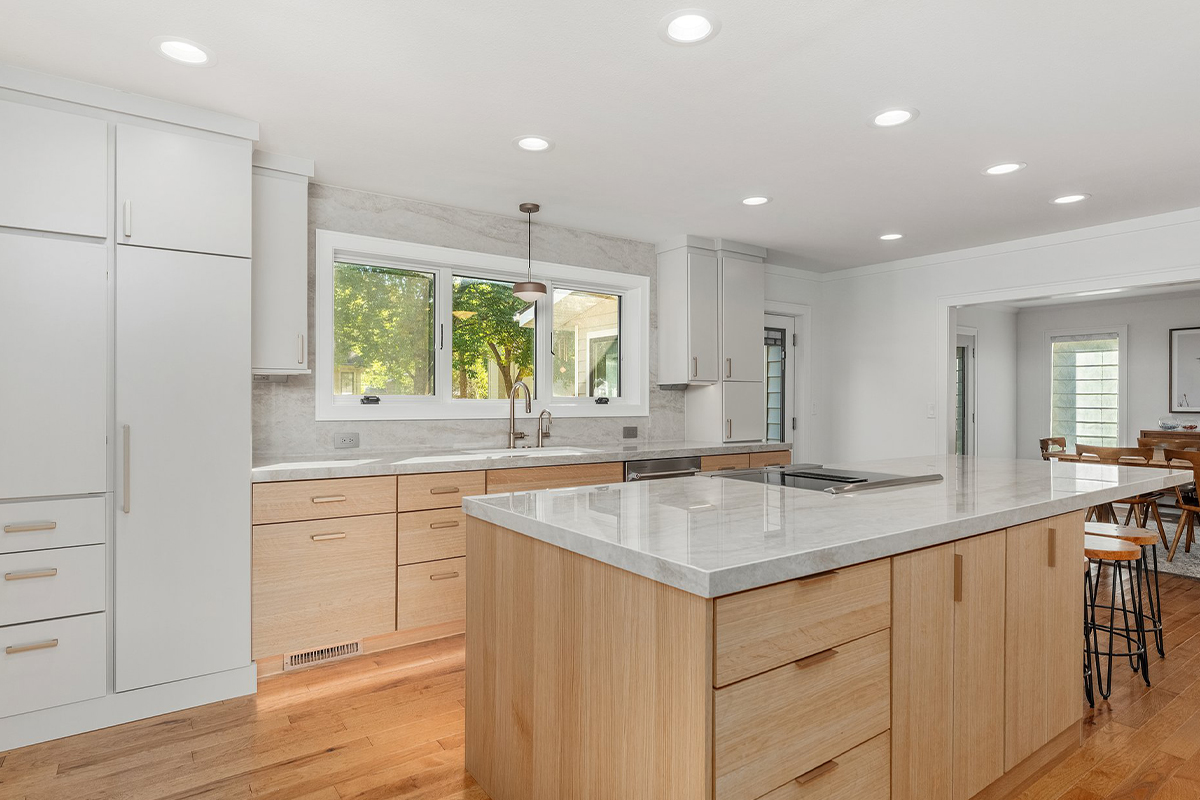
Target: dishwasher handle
{"x":647,"y":476}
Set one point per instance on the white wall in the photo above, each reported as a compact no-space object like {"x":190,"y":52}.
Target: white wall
{"x":995,"y":380}
{"x":885,"y":331}
{"x":1147,"y":349}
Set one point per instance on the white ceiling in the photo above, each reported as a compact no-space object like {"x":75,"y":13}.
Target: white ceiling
{"x":422,"y":100}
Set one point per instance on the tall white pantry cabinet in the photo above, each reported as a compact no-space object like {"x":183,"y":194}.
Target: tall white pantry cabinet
{"x":125,"y":242}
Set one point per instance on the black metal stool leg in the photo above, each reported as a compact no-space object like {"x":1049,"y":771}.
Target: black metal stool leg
{"x":1088,"y":631}
{"x":1153,"y":596}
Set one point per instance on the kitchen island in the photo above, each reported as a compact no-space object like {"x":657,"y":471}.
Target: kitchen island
{"x":717,"y":638}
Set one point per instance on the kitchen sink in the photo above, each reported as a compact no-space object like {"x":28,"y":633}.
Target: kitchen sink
{"x":531,"y":451}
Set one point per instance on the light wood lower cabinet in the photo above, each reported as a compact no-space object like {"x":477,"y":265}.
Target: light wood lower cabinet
{"x":775,"y":458}
{"x":438,"y":489}
{"x":725,"y":462}
{"x":529,"y":479}
{"x":430,"y":535}
{"x":296,"y":501}
{"x":859,"y":774}
{"x":433,"y":593}
{"x":323,"y":582}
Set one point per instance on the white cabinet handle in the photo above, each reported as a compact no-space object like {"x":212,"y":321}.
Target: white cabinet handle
{"x":13,"y":649}
{"x":729,"y":368}
{"x":29,"y":575}
{"x":125,"y":469}
{"x":127,"y":213}
{"x":300,"y":349}
{"x":28,"y":527}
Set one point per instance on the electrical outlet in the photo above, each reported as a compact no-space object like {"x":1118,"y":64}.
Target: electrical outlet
{"x":341,"y":440}
{"x":629,"y":432}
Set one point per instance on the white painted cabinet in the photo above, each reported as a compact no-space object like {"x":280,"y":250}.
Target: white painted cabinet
{"x":745,"y":409}
{"x":53,"y":171}
{"x":179,"y":191}
{"x":182,"y":532}
{"x":54,"y":359}
{"x":279,"y":272}
{"x":742,"y":303}
{"x":687,"y":318}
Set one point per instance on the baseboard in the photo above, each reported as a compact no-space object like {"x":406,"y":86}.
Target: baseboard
{"x":114,"y":709}
{"x":1041,"y":761}
{"x":270,"y":666}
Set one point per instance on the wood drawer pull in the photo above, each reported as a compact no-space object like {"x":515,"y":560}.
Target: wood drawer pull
{"x":816,"y":658}
{"x":439,"y":525}
{"x":27,"y":527}
{"x":958,"y":567}
{"x":824,"y":576}
{"x":333,"y":498}
{"x":443,"y":576}
{"x":13,"y":649}
{"x":444,"y":490}
{"x":723,"y":469}
{"x":33,"y":573}
{"x":1051,"y":542}
{"x":816,"y":772}
{"x":327,"y":537}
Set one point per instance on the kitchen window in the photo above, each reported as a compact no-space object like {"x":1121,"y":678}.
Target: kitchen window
{"x":1087,"y":386}
{"x":436,"y":333}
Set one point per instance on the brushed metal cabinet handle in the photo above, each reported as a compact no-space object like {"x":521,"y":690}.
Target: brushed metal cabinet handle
{"x":127,"y":223}
{"x":958,"y":578}
{"x":1051,"y":541}
{"x":13,"y":649}
{"x":695,"y":366}
{"x":327,"y":537}
{"x":300,"y":348}
{"x":728,"y":367}
{"x":443,"y":576}
{"x":816,"y":772}
{"x":444,"y":490}
{"x":333,"y":498}
{"x":125,"y":469}
{"x":728,"y":429}
{"x":816,"y":658}
{"x":28,"y":527}
{"x":440,"y":525}
{"x":30,"y":574}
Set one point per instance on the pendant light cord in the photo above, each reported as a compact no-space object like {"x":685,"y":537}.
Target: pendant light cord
{"x":529,"y":246}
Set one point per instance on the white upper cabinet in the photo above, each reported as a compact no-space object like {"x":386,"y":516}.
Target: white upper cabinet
{"x":743,"y":299}
{"x":178,"y":191}
{"x":687,"y":318}
{"x":53,"y":171}
{"x":744,"y":404}
{"x":54,"y":359}
{"x":279,"y":272}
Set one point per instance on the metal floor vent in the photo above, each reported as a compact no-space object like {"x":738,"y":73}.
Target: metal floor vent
{"x":322,"y":655}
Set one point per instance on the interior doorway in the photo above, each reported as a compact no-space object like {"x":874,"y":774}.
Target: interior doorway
{"x":964,"y":392}
{"x":780,"y":386}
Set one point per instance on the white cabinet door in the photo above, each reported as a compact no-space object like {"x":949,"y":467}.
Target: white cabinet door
{"x":182,"y":192}
{"x":53,"y":171}
{"x":181,"y":583}
{"x":745,"y":405}
{"x":702,"y":318}
{"x":742,"y":302}
{"x":279,"y":273}
{"x":54,"y":359}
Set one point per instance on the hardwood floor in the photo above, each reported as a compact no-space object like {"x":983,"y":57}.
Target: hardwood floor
{"x":391,"y":726}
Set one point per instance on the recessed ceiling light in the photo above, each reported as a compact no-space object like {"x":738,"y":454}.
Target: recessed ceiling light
{"x":688,"y":26}
{"x":182,"y":51}
{"x":534,"y":144}
{"x":894,"y":116}
{"x":1005,"y":169}
{"x":1069,"y":198}
{"x":891,"y":237}
{"x":755,"y":200}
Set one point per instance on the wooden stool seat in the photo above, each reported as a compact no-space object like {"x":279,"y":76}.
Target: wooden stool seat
{"x":1126,"y":533}
{"x":1106,"y":549}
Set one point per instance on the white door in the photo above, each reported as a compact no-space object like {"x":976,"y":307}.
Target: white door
{"x":54,"y":363}
{"x":53,"y":171}
{"x":280,"y":272}
{"x":182,"y":192}
{"x":742,"y":301}
{"x":745,"y":415}
{"x":181,"y":582}
{"x":702,"y":318}
{"x":781,"y":383}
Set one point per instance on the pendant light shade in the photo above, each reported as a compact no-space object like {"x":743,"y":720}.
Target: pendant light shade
{"x":529,"y":290}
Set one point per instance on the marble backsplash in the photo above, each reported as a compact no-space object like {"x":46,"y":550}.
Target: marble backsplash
{"x":285,"y":413}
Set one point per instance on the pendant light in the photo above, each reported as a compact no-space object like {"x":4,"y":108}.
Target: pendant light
{"x":529,"y":290}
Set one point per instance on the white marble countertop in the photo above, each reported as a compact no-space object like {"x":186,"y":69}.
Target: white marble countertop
{"x":714,"y":536}
{"x":457,"y":459}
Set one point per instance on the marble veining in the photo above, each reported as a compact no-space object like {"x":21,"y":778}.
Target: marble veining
{"x":457,"y":459}
{"x":712,"y":536}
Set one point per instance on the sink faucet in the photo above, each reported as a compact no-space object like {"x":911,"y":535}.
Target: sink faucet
{"x":543,"y":433}
{"x":513,"y":433}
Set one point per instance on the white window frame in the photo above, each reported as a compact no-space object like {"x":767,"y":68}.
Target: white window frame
{"x":445,"y":262}
{"x":1122,"y":332}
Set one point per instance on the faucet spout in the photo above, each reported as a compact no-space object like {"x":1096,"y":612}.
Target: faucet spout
{"x":513,"y":433}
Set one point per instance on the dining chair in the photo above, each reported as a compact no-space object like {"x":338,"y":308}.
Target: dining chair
{"x":1053,"y":444}
{"x":1185,"y":498}
{"x":1141,"y":506}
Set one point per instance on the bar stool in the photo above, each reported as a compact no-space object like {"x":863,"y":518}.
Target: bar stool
{"x":1146,"y":540}
{"x":1123,"y":557}
{"x":1089,"y":630}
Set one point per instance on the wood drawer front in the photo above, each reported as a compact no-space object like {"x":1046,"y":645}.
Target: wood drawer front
{"x":863,"y":773}
{"x":45,"y":524}
{"x":438,"y":489}
{"x":433,"y":593}
{"x":51,"y":583}
{"x":323,"y":582}
{"x":775,"y":458}
{"x":531,"y":479}
{"x":763,"y":628}
{"x":724,"y":462}
{"x":430,"y":535}
{"x":773,"y":727}
{"x":296,"y":501}
{"x":45,"y":664}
